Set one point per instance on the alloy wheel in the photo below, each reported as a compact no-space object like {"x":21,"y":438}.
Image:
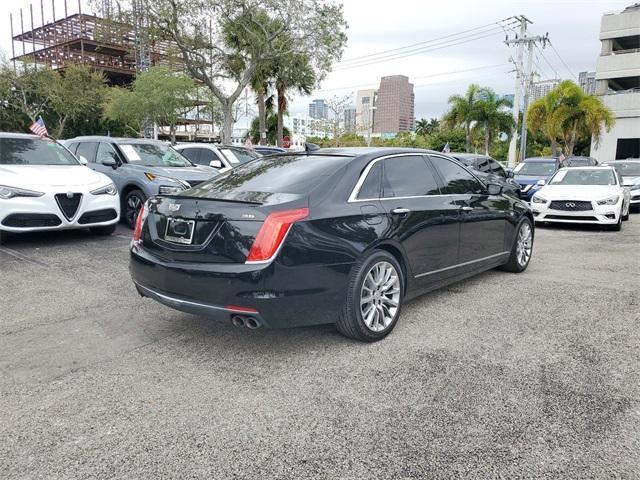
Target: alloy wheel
{"x":380,"y":296}
{"x":133,"y":207}
{"x":523,"y":247}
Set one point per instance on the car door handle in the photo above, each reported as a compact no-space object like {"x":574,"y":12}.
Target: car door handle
{"x":467,"y":209}
{"x":400,"y":211}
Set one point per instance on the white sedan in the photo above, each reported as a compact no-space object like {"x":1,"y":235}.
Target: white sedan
{"x":44,"y":187}
{"x":583,"y":195}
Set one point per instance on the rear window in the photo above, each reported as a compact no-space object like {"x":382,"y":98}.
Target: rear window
{"x":28,"y":151}
{"x":274,"y":174}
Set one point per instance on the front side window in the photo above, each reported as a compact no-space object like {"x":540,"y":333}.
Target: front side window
{"x":408,"y":176}
{"x":106,"y":152}
{"x":153,"y":155}
{"x":207,"y":156}
{"x":191,"y":154}
{"x":87,"y":150}
{"x":31,"y":151}
{"x":497,"y":169}
{"x":582,"y":176}
{"x":457,"y":181}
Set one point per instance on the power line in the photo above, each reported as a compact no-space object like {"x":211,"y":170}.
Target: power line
{"x":544,"y":57}
{"x":563,"y":62}
{"x":450,"y":43}
{"x":423,"y":43}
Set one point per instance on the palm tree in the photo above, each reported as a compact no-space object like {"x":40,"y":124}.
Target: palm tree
{"x":566,"y":115}
{"x":492,"y":115}
{"x":464,"y":111}
{"x":426,"y":127}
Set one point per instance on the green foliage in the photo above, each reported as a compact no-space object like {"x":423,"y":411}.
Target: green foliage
{"x":157,"y":95}
{"x":426,"y":127}
{"x":568,"y":118}
{"x":272,"y":129}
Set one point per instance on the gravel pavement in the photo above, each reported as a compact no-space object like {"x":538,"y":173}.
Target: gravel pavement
{"x":534,"y":375}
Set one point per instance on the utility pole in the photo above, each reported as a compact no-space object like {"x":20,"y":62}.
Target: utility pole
{"x":523,"y":81}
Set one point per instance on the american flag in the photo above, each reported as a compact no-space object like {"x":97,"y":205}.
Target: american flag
{"x":38,"y":127}
{"x":446,"y":148}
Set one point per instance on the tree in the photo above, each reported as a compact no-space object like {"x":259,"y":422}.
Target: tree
{"x":271,"y":125}
{"x":29,"y":92}
{"x":492,"y":115}
{"x":464,"y":111}
{"x":156,"y":96}
{"x":426,"y":127}
{"x":566,"y":115}
{"x":201,"y":31}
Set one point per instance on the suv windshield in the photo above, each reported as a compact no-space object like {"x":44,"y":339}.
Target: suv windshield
{"x":153,"y":155}
{"x":273,"y":174}
{"x":31,"y":151}
{"x":581,"y":176}
{"x":535,"y":168}
{"x":628,"y":169}
{"x":239,"y":155}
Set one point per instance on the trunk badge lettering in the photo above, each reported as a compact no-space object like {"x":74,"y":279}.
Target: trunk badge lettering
{"x":248,"y":215}
{"x":174,"y":207}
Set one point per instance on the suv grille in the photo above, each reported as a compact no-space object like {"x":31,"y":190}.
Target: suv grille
{"x":98,"y":216}
{"x":30,"y":220}
{"x":571,"y":205}
{"x":68,"y":206}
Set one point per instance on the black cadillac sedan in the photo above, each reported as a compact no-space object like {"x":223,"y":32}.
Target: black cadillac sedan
{"x":342,"y":236}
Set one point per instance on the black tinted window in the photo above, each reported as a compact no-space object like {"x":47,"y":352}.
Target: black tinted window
{"x":496,"y":168}
{"x":408,"y":177}
{"x":297,"y":174}
{"x":191,"y":154}
{"x":31,"y":151}
{"x":207,"y":156}
{"x":87,"y":150}
{"x":456,"y":179}
{"x":371,"y":186}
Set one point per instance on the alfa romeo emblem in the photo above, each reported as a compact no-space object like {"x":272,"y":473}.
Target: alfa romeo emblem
{"x":69,"y":194}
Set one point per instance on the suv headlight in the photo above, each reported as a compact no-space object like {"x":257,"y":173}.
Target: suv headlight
{"x":169,"y":190}
{"x":178,"y":185}
{"x":635,"y":187}
{"x":538,"y":199}
{"x":609,"y":201}
{"x":10,"y":192}
{"x":106,"y":190}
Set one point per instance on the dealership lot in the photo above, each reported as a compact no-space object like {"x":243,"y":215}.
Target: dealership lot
{"x":502,"y":375}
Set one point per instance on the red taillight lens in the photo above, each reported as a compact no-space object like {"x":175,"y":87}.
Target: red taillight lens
{"x":272,"y":233}
{"x":137,"y":232}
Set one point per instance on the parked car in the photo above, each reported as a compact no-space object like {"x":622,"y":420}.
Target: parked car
{"x":268,"y":150}
{"x":629,"y":171}
{"x":583,"y":195}
{"x":489,"y":170}
{"x":220,"y":157}
{"x":140,"y":168}
{"x":44,"y":187}
{"x":532,"y":173}
{"x":581,"y":162}
{"x":341,"y":236}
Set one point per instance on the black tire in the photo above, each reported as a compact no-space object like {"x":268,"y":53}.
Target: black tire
{"x":106,"y":230}
{"x":515,"y":264}
{"x":350,"y":320}
{"x":131,"y":206}
{"x":618,"y":226}
{"x":626,"y":217}
{"x":3,"y":237}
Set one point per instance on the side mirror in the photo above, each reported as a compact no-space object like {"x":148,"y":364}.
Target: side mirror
{"x":215,"y":163}
{"x":109,"y":162}
{"x":494,"y":189}
{"x":541,"y":183}
{"x":83,"y":160}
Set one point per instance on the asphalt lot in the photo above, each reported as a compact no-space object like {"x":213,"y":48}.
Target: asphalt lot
{"x":502,"y":376}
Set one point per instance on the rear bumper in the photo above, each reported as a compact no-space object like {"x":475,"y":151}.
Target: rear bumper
{"x":277,"y":295}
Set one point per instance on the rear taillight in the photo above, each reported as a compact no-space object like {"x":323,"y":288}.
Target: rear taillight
{"x":272,"y":234}
{"x":137,"y":232}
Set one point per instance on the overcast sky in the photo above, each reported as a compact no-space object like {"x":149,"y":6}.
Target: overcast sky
{"x":374,"y":26}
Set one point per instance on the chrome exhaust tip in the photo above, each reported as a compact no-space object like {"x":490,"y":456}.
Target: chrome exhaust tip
{"x":251,"y":323}
{"x":238,"y":321}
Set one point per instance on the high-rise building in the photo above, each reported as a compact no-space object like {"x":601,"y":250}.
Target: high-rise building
{"x":350,"y":119}
{"x":540,"y":88}
{"x":394,"y":105}
{"x":318,"y":109}
{"x":587,"y":81}
{"x":365,"y":111}
{"x":618,"y":84}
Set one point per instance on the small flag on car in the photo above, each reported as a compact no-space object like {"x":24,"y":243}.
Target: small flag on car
{"x":446,"y":148}
{"x":562,"y":157}
{"x":38,"y":128}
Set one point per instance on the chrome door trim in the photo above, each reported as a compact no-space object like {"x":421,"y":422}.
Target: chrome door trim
{"x":462,"y":264}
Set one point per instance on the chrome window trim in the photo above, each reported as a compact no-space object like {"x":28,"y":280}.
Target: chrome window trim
{"x":462,"y":264}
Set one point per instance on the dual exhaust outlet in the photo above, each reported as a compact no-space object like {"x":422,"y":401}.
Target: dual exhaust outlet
{"x":245,"y":321}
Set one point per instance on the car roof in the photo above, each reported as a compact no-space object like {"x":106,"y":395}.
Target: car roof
{"x":541,"y":159}
{"x":628,"y":160}
{"x":589,"y":167}
{"x":105,"y":138}
{"x":377,"y":151}
{"x":196,"y":145}
{"x":468,"y":156}
{"x":19,"y":135}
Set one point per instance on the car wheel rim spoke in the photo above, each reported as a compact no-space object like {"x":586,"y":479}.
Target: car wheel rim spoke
{"x":380,"y":296}
{"x":523,"y":246}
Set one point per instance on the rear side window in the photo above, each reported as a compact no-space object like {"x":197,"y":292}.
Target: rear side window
{"x":87,"y":150}
{"x":408,"y":176}
{"x":293,"y":174}
{"x":457,"y":181}
{"x":371,"y":186}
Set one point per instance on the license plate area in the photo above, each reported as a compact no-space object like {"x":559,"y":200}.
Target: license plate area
{"x":179,"y":231}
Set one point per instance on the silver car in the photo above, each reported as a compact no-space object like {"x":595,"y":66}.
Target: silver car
{"x":140,"y":168}
{"x":629,"y":171}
